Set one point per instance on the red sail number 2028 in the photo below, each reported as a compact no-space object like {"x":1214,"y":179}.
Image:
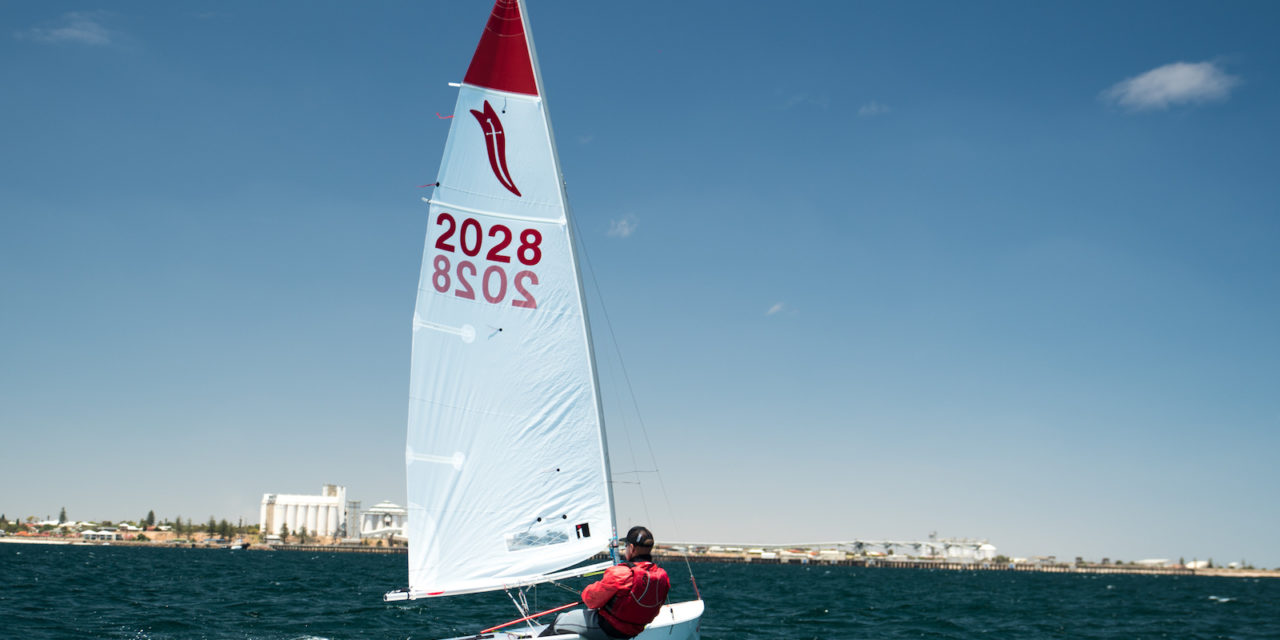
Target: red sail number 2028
{"x":493,"y":282}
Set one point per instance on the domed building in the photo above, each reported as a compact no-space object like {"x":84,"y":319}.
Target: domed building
{"x":382,"y":520}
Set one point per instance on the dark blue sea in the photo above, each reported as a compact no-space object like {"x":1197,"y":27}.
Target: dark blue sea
{"x":141,"y":593}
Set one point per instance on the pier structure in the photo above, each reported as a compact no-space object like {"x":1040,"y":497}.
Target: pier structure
{"x":952,"y":549}
{"x":941,"y":548}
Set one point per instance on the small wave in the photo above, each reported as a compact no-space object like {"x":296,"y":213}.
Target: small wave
{"x":1221,"y":599}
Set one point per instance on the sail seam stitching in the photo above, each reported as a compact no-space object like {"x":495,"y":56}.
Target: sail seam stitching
{"x":505,"y":216}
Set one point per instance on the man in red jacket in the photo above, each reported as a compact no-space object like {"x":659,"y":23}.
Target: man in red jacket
{"x":625,"y":600}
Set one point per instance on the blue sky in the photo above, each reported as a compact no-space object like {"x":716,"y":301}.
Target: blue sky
{"x":1004,"y":270}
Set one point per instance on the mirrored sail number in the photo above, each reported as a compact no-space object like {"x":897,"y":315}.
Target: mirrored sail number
{"x":464,"y":277}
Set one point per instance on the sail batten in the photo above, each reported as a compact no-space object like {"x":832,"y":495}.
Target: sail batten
{"x":505,"y":461}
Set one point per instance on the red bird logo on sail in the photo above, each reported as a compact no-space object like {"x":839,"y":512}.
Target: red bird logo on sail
{"x":496,"y":142}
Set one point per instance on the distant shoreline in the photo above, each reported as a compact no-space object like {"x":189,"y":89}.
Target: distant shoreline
{"x":944,"y":565}
{"x":729,"y":558}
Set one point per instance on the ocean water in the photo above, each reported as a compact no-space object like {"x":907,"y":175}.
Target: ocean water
{"x":140,"y":593}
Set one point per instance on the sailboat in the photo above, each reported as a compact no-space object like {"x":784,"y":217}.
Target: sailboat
{"x":506,"y":458}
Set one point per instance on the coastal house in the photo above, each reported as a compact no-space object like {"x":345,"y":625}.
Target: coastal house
{"x":103,"y":535}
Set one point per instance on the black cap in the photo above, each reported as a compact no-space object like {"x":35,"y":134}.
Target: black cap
{"x":639,"y":536}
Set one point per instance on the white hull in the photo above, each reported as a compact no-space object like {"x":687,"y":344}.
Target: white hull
{"x":679,"y":621}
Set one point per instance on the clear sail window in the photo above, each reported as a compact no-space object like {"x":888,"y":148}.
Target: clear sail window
{"x":536,"y":538}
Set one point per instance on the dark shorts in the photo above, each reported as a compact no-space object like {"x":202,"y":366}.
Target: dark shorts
{"x":584,"y":622}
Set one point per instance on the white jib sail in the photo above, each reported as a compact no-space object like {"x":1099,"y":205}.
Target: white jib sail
{"x":507,"y":477}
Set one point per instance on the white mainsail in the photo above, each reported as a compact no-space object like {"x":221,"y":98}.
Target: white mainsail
{"x":506,"y":462}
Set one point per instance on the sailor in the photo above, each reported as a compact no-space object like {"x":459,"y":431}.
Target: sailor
{"x":625,"y":600}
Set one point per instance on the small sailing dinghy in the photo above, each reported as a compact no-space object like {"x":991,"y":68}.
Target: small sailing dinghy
{"x":507,"y":464}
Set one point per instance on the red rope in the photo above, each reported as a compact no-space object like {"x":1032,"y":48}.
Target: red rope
{"x":507,"y":624}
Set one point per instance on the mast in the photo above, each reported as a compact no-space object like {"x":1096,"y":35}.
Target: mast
{"x":577,"y":271}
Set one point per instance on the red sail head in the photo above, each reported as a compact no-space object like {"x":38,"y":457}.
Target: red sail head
{"x":502,"y":60}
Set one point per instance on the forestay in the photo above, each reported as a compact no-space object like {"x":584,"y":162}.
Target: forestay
{"x":505,"y":457}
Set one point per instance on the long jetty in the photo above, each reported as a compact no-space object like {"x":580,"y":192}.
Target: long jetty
{"x":936,"y":564}
{"x":974,"y":565}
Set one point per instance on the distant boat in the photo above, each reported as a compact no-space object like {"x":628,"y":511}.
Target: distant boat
{"x":506,"y":460}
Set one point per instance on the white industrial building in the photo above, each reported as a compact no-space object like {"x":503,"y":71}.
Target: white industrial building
{"x":965,"y":551}
{"x":322,"y":515}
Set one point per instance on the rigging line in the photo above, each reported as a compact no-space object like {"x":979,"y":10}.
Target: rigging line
{"x":524,"y":611}
{"x":608,"y":323}
{"x":563,"y":586}
{"x":636,"y":405}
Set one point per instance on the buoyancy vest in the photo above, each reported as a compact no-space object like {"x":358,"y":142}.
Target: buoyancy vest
{"x":629,"y":610}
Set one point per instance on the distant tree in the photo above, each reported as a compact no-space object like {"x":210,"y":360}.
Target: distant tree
{"x":284,"y":532}
{"x":224,"y":528}
{"x":1182,"y":561}
{"x":1210,"y":563}
{"x":142,"y":537}
{"x":177,"y":526}
{"x":62,"y":515}
{"x":1001,"y":559}
{"x":302,"y":535}
{"x":151,"y":518}
{"x":212,"y":527}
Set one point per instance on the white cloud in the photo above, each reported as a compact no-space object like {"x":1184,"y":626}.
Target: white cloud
{"x":776,"y":308}
{"x":1177,"y":83}
{"x":872,"y":108}
{"x":622,"y":227}
{"x":76,"y":27}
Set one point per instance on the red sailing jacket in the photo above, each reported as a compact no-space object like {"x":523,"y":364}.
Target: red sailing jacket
{"x":628,"y":596}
